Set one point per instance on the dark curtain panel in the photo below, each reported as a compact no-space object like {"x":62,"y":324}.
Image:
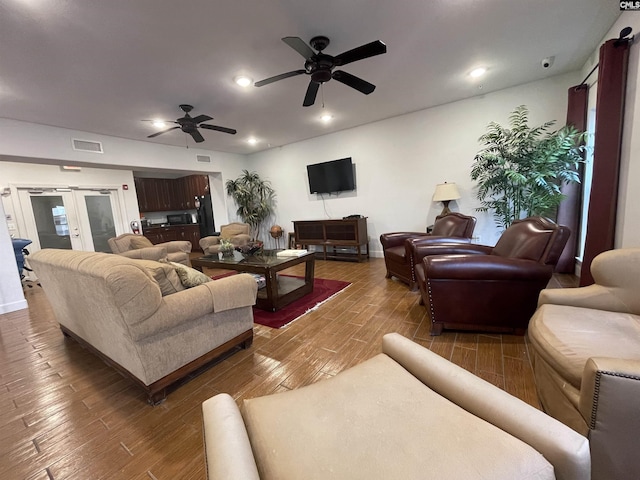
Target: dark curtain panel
{"x":569,"y":209}
{"x":603,"y":201}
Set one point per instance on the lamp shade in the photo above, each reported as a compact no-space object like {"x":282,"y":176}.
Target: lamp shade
{"x":445,"y":192}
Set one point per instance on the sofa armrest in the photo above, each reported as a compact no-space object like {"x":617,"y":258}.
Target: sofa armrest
{"x":423,"y":248}
{"x":228,"y":451}
{"x":595,"y":297}
{"x":484,"y":267}
{"x":206,"y":242}
{"x":565,"y":449}
{"x":608,"y":402}
{"x":187,"y":305}
{"x":147,"y":253}
{"x":177,"y":246}
{"x":395,"y":239}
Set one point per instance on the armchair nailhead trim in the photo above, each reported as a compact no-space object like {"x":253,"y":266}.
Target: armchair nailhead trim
{"x":596,"y":393}
{"x":433,"y":312}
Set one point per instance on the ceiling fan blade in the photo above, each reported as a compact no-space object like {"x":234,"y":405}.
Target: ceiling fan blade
{"x":202,"y":118}
{"x":353,"y":82}
{"x":299,"y":46}
{"x":312,"y":91}
{"x":161,"y":132}
{"x":197,"y":136}
{"x":364,"y":51}
{"x":278,"y":77}
{"x":219,"y":129}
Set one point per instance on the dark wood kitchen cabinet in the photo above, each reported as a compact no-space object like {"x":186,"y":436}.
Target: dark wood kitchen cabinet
{"x":165,"y":194}
{"x":190,"y":233}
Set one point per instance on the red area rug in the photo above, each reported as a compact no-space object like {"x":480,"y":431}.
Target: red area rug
{"x":323,"y":289}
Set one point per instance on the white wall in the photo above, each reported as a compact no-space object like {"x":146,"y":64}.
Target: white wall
{"x":400,"y":160}
{"x":11,"y":295}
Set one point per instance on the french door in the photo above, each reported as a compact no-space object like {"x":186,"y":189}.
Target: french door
{"x":79,"y":219}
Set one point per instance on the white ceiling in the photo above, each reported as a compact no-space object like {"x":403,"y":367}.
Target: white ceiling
{"x":104,"y":66}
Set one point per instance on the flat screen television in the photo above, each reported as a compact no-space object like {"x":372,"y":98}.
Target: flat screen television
{"x":331,"y":177}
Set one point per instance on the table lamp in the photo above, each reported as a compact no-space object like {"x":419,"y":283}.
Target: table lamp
{"x":445,"y":192}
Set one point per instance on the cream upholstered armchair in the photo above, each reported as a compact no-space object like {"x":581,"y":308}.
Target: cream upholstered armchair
{"x":586,"y":352}
{"x":133,"y":246}
{"x":406,"y":413}
{"x":237,"y":233}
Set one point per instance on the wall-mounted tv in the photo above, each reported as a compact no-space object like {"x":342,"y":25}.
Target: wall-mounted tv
{"x":331,"y":177}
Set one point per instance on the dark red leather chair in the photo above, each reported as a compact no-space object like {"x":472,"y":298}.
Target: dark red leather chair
{"x":454,"y":227}
{"x":478,"y":287}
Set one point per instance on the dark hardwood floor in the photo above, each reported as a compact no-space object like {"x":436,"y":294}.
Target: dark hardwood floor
{"x":66,"y":415}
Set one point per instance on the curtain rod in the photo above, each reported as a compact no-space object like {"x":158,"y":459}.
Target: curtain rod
{"x":623,"y":34}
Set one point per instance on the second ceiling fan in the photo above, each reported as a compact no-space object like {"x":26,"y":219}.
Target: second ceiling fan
{"x":320,"y":66}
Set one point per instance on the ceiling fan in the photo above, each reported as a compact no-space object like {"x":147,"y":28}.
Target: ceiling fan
{"x":320,"y":65}
{"x":190,"y":125}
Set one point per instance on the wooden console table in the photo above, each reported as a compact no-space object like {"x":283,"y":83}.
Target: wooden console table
{"x":335,"y":236}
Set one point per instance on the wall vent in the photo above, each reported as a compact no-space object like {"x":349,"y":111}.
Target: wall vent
{"x":87,"y":146}
{"x":203,"y":158}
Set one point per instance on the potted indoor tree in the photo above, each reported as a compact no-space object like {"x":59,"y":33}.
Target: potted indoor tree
{"x":521,"y":169}
{"x":254,"y":197}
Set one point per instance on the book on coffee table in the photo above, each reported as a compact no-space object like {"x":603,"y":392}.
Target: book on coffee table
{"x":291,"y":253}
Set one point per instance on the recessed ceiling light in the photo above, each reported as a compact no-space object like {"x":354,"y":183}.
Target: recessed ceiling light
{"x":243,"y":80}
{"x":326,"y":117}
{"x":159,"y":123}
{"x":252,"y":140}
{"x":477,"y":72}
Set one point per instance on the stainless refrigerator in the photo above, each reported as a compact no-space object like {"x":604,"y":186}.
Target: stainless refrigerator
{"x":204,"y":208}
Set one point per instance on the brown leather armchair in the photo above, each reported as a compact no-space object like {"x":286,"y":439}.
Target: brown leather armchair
{"x":453,"y":227}
{"x":478,"y":287}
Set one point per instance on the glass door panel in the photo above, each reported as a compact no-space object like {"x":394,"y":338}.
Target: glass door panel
{"x":99,"y":214}
{"x":51,"y":222}
{"x":50,"y":219}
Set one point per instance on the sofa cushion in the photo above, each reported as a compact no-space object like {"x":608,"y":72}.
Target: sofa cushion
{"x":374,"y":421}
{"x":164,"y":274}
{"x":190,"y":277}
{"x":139,"y":241}
{"x":566,"y":337}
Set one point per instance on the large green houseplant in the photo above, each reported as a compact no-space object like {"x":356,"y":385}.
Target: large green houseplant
{"x":521,"y":169}
{"x":254,"y":197}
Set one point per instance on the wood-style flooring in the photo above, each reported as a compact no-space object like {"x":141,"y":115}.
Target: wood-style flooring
{"x":66,"y":415}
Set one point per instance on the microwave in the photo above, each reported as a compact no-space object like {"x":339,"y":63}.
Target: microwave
{"x":179,"y":219}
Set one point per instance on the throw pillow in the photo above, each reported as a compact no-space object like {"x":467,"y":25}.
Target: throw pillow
{"x":164,"y":274}
{"x":139,"y":241}
{"x":190,"y":277}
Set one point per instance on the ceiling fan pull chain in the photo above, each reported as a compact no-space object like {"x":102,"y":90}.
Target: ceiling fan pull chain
{"x":322,"y":93}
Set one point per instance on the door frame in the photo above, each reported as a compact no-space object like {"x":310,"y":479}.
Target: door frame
{"x":18,"y":208}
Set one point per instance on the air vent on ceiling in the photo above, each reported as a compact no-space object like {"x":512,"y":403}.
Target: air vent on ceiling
{"x":87,"y":146}
{"x":203,"y":158}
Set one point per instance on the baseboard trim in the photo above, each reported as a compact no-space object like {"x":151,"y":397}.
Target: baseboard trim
{"x":13,"y":306}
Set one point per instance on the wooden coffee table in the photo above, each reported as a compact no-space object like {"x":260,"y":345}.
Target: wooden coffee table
{"x":279,"y":290}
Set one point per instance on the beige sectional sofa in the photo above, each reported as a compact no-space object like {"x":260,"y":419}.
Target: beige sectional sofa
{"x":406,"y":413}
{"x":115,"y":306}
{"x":586,"y":352}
